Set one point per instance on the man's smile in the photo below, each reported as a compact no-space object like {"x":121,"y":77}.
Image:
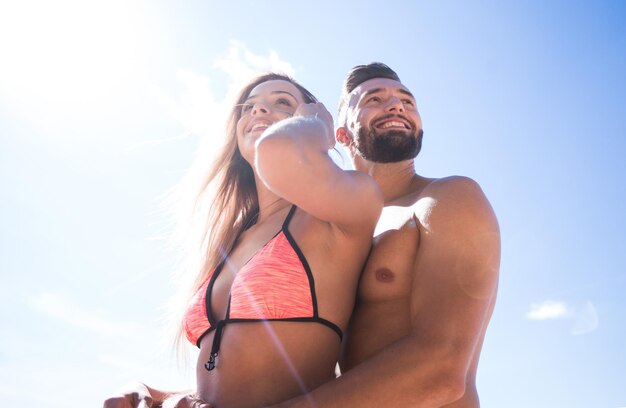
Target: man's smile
{"x":393,"y":122}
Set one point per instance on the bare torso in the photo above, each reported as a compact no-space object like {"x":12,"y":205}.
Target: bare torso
{"x":264,"y":363}
{"x":261,"y":363}
{"x":383,"y":310}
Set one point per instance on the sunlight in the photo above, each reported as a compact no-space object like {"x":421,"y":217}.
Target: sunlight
{"x":62,"y":54}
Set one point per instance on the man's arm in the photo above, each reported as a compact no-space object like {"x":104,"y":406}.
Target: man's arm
{"x":455,"y":277}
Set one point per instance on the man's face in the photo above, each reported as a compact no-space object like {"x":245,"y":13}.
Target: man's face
{"x":383,"y":121}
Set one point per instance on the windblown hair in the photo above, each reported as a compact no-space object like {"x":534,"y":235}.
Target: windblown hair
{"x":226,"y":201}
{"x":356,"y":77}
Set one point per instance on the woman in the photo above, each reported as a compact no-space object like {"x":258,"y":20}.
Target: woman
{"x":289,"y":233}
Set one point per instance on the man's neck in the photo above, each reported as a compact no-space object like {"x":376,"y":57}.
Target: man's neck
{"x":396,"y":180}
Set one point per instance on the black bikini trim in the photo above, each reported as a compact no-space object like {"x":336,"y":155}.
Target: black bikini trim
{"x":219,"y":326}
{"x":325,"y":322}
{"x":209,"y":290}
{"x":215,"y":347}
{"x":303,"y":260}
{"x":207,"y":331}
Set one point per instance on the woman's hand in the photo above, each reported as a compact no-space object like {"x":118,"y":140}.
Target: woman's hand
{"x":137,"y":395}
{"x":184,"y":401}
{"x":319,"y":111}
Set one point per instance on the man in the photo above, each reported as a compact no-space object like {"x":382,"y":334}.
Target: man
{"x":429,"y":286}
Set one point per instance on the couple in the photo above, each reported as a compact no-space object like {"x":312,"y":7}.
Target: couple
{"x":291,"y":282}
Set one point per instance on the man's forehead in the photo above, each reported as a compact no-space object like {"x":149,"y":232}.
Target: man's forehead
{"x":378,"y":83}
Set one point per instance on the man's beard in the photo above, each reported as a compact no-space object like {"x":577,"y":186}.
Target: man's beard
{"x":389,"y":146}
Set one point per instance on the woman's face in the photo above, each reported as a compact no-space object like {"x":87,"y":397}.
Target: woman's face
{"x":268,"y":103}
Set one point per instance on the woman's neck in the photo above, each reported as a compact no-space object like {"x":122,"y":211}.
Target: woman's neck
{"x":269,"y":203}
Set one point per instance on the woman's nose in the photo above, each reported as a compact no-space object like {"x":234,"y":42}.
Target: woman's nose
{"x":259,"y":108}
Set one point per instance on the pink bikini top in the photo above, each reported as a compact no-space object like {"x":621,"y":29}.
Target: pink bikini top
{"x":276,"y":284}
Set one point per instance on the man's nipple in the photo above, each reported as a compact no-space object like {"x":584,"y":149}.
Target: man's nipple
{"x":384,"y":275}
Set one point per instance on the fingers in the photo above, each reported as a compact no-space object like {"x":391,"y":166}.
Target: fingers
{"x":316,"y":109}
{"x":118,"y":402}
{"x":310,"y":109}
{"x":129,"y":400}
{"x":144,"y":404}
{"x":185,"y":401}
{"x":319,"y":111}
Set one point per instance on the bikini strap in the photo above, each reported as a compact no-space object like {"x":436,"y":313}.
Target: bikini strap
{"x":289,"y":217}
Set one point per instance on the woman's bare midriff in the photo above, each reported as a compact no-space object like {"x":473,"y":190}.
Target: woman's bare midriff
{"x":265,"y":363}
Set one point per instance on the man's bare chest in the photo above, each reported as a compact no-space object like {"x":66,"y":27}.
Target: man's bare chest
{"x":388,"y":273}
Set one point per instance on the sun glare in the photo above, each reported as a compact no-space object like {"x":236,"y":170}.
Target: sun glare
{"x":66,"y":52}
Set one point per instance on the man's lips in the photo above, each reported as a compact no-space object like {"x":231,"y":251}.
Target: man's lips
{"x":393,"y":122}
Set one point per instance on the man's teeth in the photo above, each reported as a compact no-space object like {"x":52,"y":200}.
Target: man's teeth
{"x":392,"y":124}
{"x":259,"y":126}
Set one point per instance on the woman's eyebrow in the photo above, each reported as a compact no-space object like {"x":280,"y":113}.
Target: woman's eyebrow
{"x":272,"y":93}
{"x":284,"y":92}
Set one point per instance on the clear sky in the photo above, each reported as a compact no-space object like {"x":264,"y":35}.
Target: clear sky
{"x":103,"y":105}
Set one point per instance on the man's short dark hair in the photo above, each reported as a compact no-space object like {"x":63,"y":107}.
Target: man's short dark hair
{"x":357,"y":76}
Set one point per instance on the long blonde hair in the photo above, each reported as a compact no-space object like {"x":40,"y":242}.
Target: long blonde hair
{"x":226,"y":201}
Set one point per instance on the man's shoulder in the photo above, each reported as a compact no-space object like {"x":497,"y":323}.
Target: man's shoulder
{"x":450,"y":200}
{"x":451,"y":186}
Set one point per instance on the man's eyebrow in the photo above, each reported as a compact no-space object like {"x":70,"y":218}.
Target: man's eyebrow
{"x":372,"y":91}
{"x":378,"y":90}
{"x":273,"y":93}
{"x":404,"y":91}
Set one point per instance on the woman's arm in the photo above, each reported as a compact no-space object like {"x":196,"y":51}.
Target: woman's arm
{"x":292,"y":160}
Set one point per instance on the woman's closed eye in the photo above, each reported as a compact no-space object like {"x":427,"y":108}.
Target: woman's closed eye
{"x":284,"y":102}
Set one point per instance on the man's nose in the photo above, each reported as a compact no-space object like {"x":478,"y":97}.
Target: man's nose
{"x":395,"y":104}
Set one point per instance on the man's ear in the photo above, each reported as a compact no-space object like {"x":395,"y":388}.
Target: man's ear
{"x":342,"y":136}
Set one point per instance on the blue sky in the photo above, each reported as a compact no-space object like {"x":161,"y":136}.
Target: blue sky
{"x":103,"y":106}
